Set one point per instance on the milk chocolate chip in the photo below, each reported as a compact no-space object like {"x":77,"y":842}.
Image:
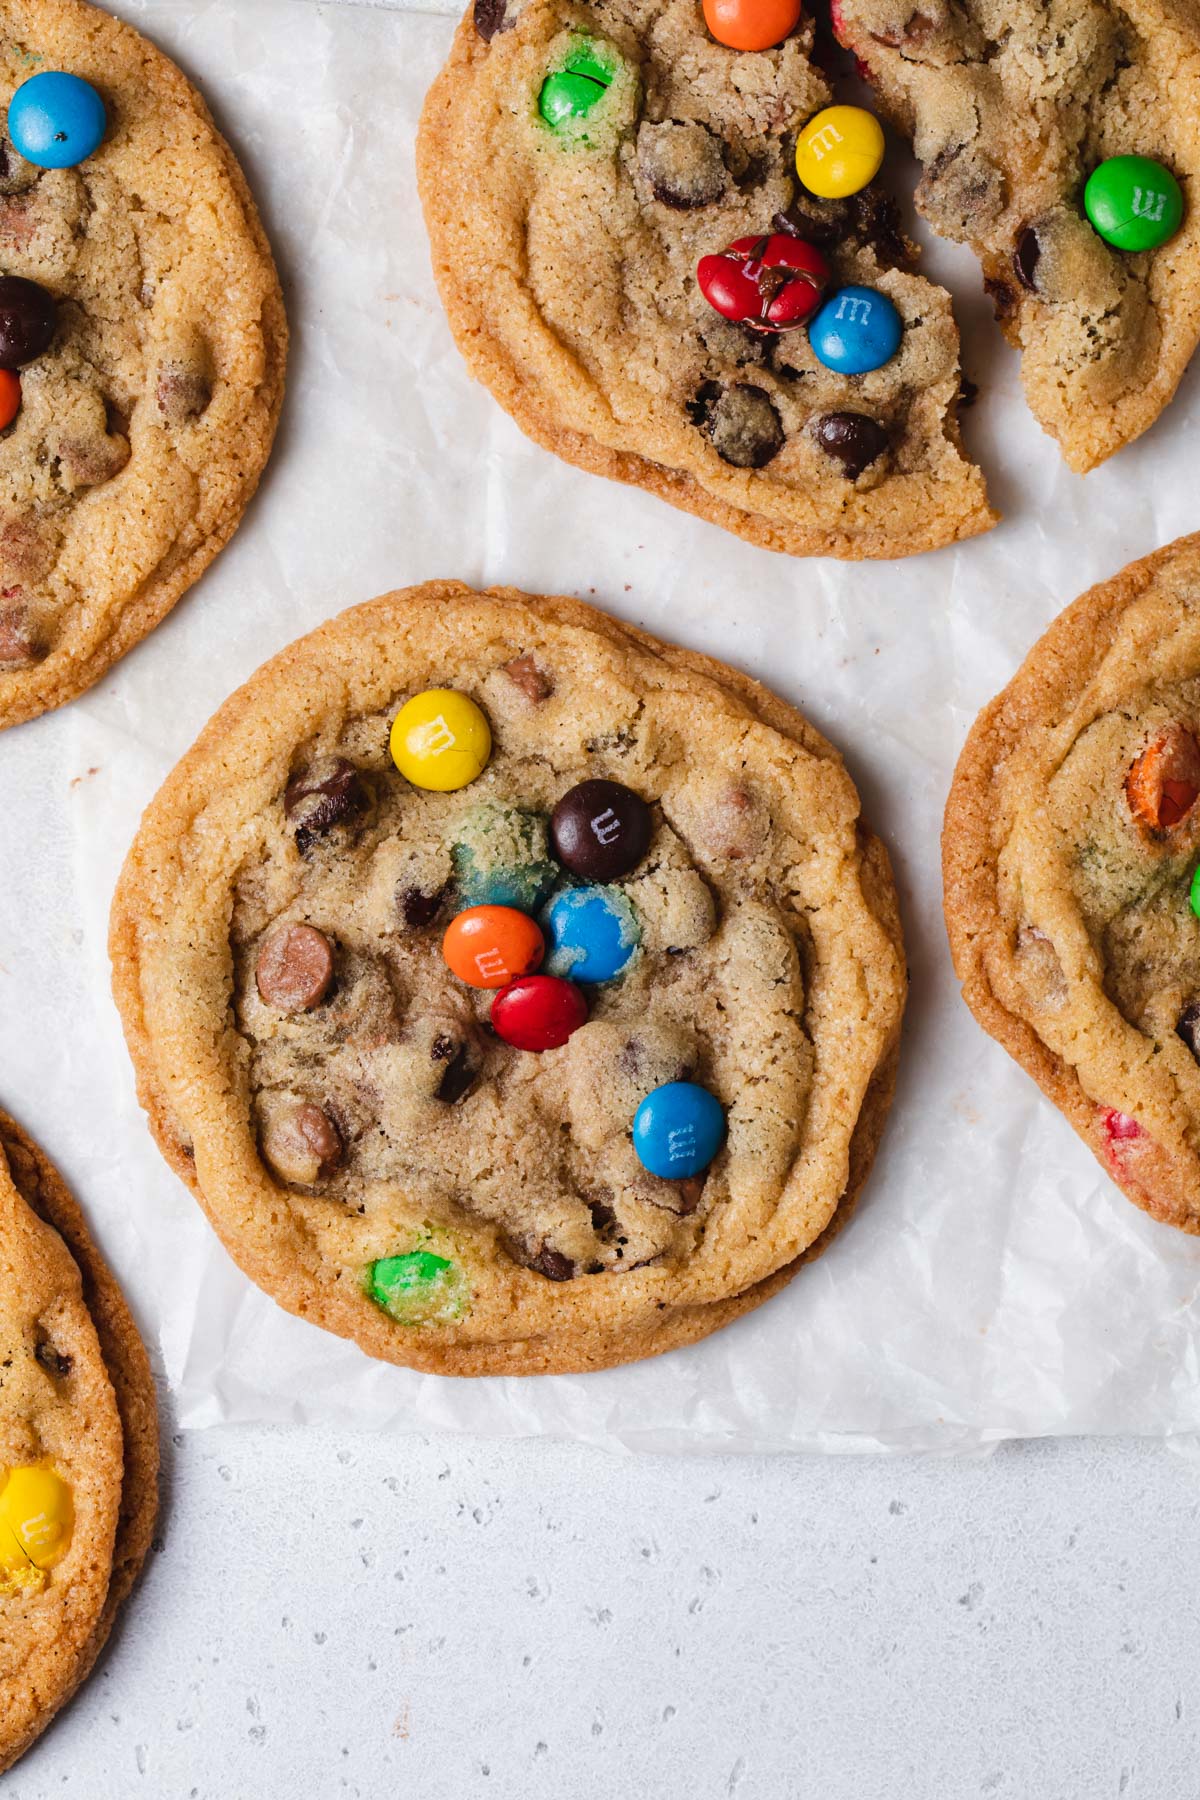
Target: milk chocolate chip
{"x":302,"y":1143}
{"x":294,"y":968}
{"x":534,"y":683}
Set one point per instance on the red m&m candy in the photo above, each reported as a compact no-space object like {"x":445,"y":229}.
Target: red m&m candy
{"x":489,"y":946}
{"x":768,"y":283}
{"x":538,"y":1013}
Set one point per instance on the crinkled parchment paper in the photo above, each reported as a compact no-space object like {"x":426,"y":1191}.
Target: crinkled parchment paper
{"x":994,"y":1283}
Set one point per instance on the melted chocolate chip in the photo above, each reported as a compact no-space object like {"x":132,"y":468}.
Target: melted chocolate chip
{"x":533,"y":681}
{"x":326,"y":794}
{"x":1025,"y":258}
{"x":853,"y":439}
{"x":417,"y":908}
{"x":1189,"y":1027}
{"x":545,"y":1260}
{"x":181,"y":392}
{"x":460,"y":1073}
{"x":488,"y":16}
{"x":1003,"y":296}
{"x":682,"y":163}
{"x":53,"y":1361}
{"x":20,"y":641}
{"x":294,"y":968}
{"x":742,"y":422}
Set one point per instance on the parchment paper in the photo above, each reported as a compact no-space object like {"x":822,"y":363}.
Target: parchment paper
{"x":994,"y":1282}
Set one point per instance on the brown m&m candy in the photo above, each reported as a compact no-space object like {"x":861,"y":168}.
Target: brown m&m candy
{"x":600,"y":830}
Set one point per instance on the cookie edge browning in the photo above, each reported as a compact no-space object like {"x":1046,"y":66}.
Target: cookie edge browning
{"x":46,"y":1194}
{"x":678,"y":1325}
{"x":1053,"y":673}
{"x":62,"y":677}
{"x":490,"y":364}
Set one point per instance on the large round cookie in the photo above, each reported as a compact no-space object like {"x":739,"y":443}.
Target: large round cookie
{"x":145,"y":426}
{"x":1011,"y":105}
{"x":76,"y":1398}
{"x":1072,"y":833}
{"x":566,"y":261}
{"x":769,"y":970}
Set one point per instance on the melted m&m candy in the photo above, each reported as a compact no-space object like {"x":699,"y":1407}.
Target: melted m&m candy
{"x":501,"y":857}
{"x":678,"y":1129}
{"x":770,"y":284}
{"x":37,"y":1517}
{"x":572,"y":91}
{"x":839,"y":151}
{"x":593,"y":933}
{"x":56,"y":120}
{"x":857,"y":330}
{"x":751,"y":24}
{"x":489,"y":946}
{"x":440,"y":740}
{"x":417,"y":1287}
{"x":538,"y":1013}
{"x":1133,"y":202}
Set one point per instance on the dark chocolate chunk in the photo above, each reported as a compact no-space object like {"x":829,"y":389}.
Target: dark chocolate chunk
{"x":327,"y":793}
{"x":1189,"y":1027}
{"x":460,"y":1072}
{"x":418,"y":908}
{"x":53,"y":1361}
{"x":1025,"y":258}
{"x":488,"y":17}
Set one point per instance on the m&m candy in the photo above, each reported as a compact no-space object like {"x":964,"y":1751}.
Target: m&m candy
{"x":502,"y":858}
{"x":857,"y":330}
{"x":1194,"y":894}
{"x":538,"y":1013}
{"x":28,"y":317}
{"x":678,"y":1129}
{"x":37,"y":1516}
{"x":417,"y":1287}
{"x":839,"y":151}
{"x":751,"y":24}
{"x":10,"y":396}
{"x":56,"y":120}
{"x":593,"y":933}
{"x":489,"y":946}
{"x":440,"y":740}
{"x":1133,"y":202}
{"x":600,"y":830}
{"x":572,"y":91}
{"x":770,"y":284}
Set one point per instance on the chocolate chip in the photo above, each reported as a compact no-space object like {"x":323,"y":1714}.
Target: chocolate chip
{"x":294,"y":969}
{"x":600,"y":830}
{"x":741,"y":421}
{"x":181,"y":392}
{"x":418,"y":908}
{"x":302,"y":1143}
{"x":1003,"y":296}
{"x":852,"y":439}
{"x":327,"y":793}
{"x":682,"y":163}
{"x":459,"y":1078}
{"x":1189,"y":1027}
{"x":488,"y":16}
{"x":20,"y":641}
{"x":961,"y":191}
{"x":53,"y":1361}
{"x":543,"y":1259}
{"x":1025,"y":258}
{"x":91,"y":461}
{"x":533,"y":681}
{"x":604,"y":1219}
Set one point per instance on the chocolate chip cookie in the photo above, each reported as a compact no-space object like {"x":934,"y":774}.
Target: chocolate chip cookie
{"x":515,"y":992}
{"x":578,"y":165}
{"x":78,"y":1446}
{"x":1071,"y":848}
{"x":142,"y":344}
{"x":1012,"y":109}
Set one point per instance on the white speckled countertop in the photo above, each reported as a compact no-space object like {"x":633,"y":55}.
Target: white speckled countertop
{"x":356,"y":1616}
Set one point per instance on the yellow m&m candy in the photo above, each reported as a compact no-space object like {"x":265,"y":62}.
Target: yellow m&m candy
{"x":839,"y":151}
{"x":37,"y":1516}
{"x":440,"y":740}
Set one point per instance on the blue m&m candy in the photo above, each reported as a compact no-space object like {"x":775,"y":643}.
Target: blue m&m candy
{"x":857,"y":330}
{"x":591,"y":932}
{"x":678,"y":1129}
{"x":56,"y":120}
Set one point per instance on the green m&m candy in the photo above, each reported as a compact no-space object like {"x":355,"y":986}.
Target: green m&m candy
{"x":572,"y":91}
{"x":1133,"y":202}
{"x":1195,"y":893}
{"x":417,"y":1287}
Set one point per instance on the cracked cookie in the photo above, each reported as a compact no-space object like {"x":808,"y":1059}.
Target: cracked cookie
{"x":1013,"y":108}
{"x":578,"y":163}
{"x":1070,"y":852}
{"x":143,"y":418}
{"x":398,"y":1030}
{"x":78,"y":1446}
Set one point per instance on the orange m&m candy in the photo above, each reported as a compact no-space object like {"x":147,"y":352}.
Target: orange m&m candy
{"x":751,"y":24}
{"x":10,"y":396}
{"x":489,"y":946}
